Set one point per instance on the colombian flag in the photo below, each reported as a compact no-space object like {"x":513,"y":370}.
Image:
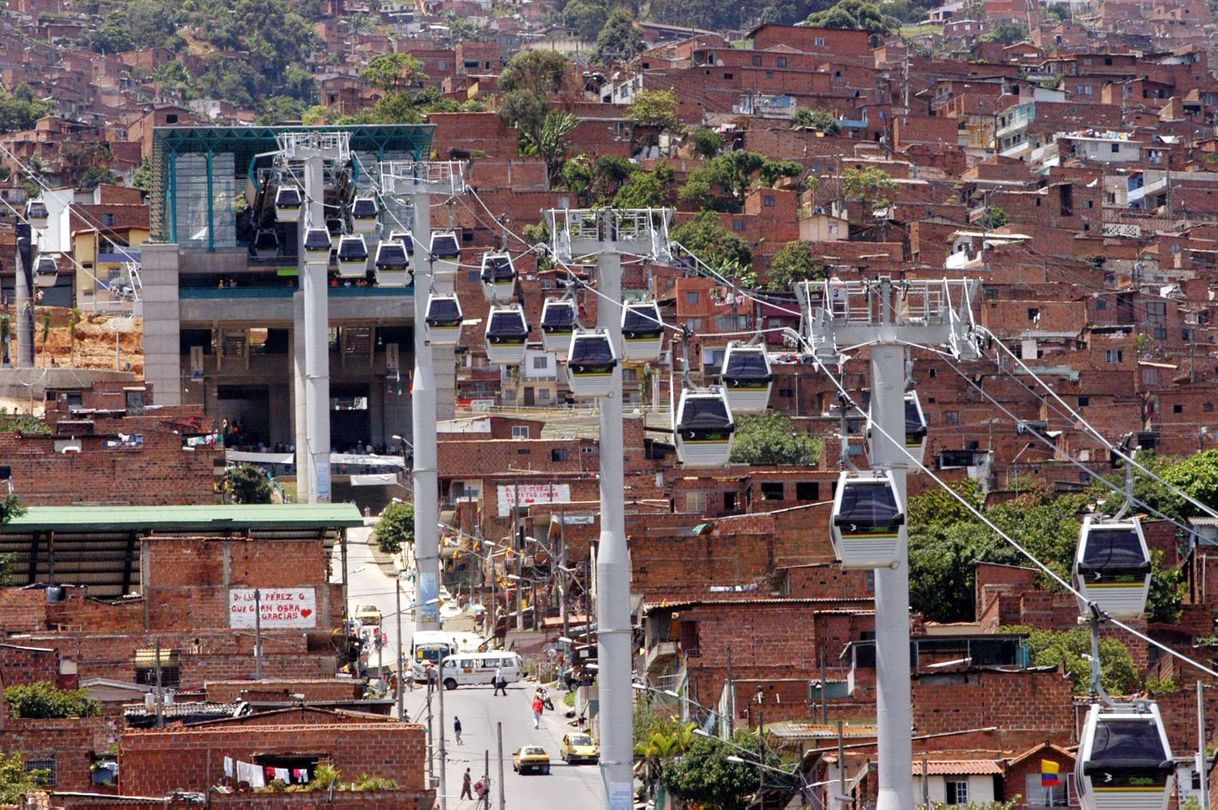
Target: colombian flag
{"x":1050,"y":773}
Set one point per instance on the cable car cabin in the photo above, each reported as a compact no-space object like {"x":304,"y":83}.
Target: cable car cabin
{"x":1112,"y":566}
{"x":506,"y":333}
{"x":746,"y":377}
{"x":265,"y":245}
{"x":36,"y":213}
{"x":405,"y":238}
{"x":364,"y":212}
{"x":391,"y":264}
{"x":445,"y":253}
{"x":352,"y":256}
{"x":642,"y":331}
{"x":557,"y":325}
{"x":915,"y":427}
{"x":317,"y":246}
{"x":591,"y":360}
{"x":498,"y":276}
{"x":868,"y":520}
{"x":443,"y":320}
{"x":1124,"y":760}
{"x":46,"y":271}
{"x":703,"y":428}
{"x":288,"y":204}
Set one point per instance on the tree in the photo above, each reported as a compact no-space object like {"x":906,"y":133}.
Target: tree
{"x":1197,"y":477}
{"x":872,"y":187}
{"x":1007,"y":33}
{"x":772,"y":171}
{"x":705,"y":142}
{"x":646,"y":189}
{"x":395,"y":527}
{"x":16,"y":782}
{"x":550,"y":142}
{"x":769,"y":438}
{"x":393,"y":72}
{"x":1066,"y":648}
{"x":714,"y":244}
{"x":794,"y":263}
{"x":42,"y":700}
{"x":528,"y":82}
{"x":247,"y":483}
{"x":1167,"y":587}
{"x":817,"y":119}
{"x":994,"y":217}
{"x":21,"y":109}
{"x":655,"y":110}
{"x":585,"y":18}
{"x":705,"y":775}
{"x":859,"y":15}
{"x":618,"y":40}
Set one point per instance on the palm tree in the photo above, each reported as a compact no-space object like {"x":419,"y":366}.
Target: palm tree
{"x":661,"y":746}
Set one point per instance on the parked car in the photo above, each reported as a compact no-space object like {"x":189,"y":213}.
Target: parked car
{"x":368,"y":614}
{"x":531,"y":758}
{"x":579,"y":748}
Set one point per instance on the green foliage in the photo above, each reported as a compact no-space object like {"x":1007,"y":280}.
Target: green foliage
{"x":585,"y":18}
{"x":42,"y":700}
{"x":550,"y":143}
{"x":1066,"y":648}
{"x":770,"y":438}
{"x":742,"y":15}
{"x":654,"y":108}
{"x":367,"y":781}
{"x":618,"y":40}
{"x":817,"y":119}
{"x":859,"y":15}
{"x":714,"y":244}
{"x":21,"y":109}
{"x":596,"y":182}
{"x":722,"y":182}
{"x":528,"y":82}
{"x":1167,"y":588}
{"x":705,"y":142}
{"x":651,"y":189}
{"x":705,"y":776}
{"x":1196,"y":476}
{"x":395,"y":527}
{"x":247,"y":483}
{"x":793,"y":263}
{"x":994,"y":217}
{"x":325,"y":777}
{"x":1008,"y":33}
{"x":23,"y":423}
{"x":394,"y":71}
{"x":872,"y":187}
{"x":15,"y":782}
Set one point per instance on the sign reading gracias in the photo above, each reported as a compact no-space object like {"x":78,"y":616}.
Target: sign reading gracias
{"x":280,"y":607}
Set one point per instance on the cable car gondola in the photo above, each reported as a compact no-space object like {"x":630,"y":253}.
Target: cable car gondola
{"x":868,"y":520}
{"x":746,"y":377}
{"x":498,"y":276}
{"x":288,"y":204}
{"x":364,"y":212}
{"x":405,"y":238}
{"x":317,"y":247}
{"x":266,"y":244}
{"x":703,"y":428}
{"x":1124,"y":759}
{"x":506,"y":333}
{"x":445,"y":253}
{"x":915,"y":427}
{"x":557,"y":325}
{"x":1112,"y":566}
{"x":391,"y":264}
{"x":36,"y":213}
{"x":443,"y":320}
{"x":46,"y":271}
{"x":642,"y":331}
{"x":352,"y":256}
{"x":591,"y":359}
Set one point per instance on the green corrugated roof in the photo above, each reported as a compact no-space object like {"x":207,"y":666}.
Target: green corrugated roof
{"x":207,"y":517}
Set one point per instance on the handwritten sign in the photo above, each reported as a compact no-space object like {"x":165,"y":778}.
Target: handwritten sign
{"x":528,"y":494}
{"x":280,"y":607}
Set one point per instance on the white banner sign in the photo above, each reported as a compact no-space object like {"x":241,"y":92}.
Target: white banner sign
{"x":528,"y":494}
{"x":280,"y":607}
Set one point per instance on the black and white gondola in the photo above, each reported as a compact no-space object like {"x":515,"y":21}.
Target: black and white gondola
{"x":868,"y":526}
{"x":352,"y":256}
{"x":557,"y":325}
{"x":36,"y":214}
{"x":1124,"y":759}
{"x":445,"y":254}
{"x":507,"y":331}
{"x":46,"y":271}
{"x":317,"y":247}
{"x":642,"y":331}
{"x":443,"y":319}
{"x":498,"y":276}
{"x":391,"y":264}
{"x":591,"y":360}
{"x":703,"y":428}
{"x":365,"y":214}
{"x":289,"y":202}
{"x":746,"y":377}
{"x":1112,"y":566}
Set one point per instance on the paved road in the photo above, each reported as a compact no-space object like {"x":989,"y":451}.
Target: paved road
{"x":567,"y":787}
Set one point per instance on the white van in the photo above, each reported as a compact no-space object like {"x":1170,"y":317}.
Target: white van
{"x":478,"y":669}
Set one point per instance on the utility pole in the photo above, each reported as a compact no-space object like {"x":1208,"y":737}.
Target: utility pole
{"x":889,"y":317}
{"x":1202,"y":757}
{"x":160,"y":694}
{"x":257,"y":635}
{"x":23,"y":297}
{"x":443,"y":789}
{"x":499,"y":737}
{"x":400,"y":696}
{"x":608,"y":233}
{"x":431,"y":740}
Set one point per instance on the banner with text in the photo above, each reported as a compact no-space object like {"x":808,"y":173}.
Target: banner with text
{"x":529,"y":494}
{"x":280,"y":607}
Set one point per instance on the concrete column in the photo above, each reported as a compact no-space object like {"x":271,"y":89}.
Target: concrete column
{"x":316,"y":344}
{"x":423,"y":431}
{"x":162,"y":322}
{"x":299,"y":413}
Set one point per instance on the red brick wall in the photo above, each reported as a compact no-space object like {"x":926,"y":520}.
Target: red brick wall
{"x":364,"y":800}
{"x":1028,"y":707}
{"x":69,"y":742}
{"x":156,"y":762}
{"x":325,"y":689}
{"x":19,"y":665}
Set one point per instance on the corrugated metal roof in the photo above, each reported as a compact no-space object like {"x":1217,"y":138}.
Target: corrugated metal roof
{"x":201,"y":517}
{"x":676,"y":605}
{"x":819,"y":731}
{"x":959,"y":767}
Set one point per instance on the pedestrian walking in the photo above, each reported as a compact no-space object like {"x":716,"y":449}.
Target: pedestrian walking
{"x":466,"y":786}
{"x":538,"y":706}
{"x":457,"y":729}
{"x":500,"y":683}
{"x":432,"y":677}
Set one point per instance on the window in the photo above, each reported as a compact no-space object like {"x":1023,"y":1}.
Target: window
{"x":1116,"y":147}
{"x":543,"y":394}
{"x":1033,"y":314}
{"x":820,"y":42}
{"x":1208,"y":407}
{"x":520,"y":431}
{"x":693,"y":297}
{"x":1177,"y":408}
{"x":1084,"y":401}
{"x":1101,"y":304}
{"x":473,"y":276}
{"x":695,"y":501}
{"x":1150,"y":376}
{"x":782,"y":61}
{"x":47,"y":767}
{"x":146,"y":667}
{"x":771,"y":491}
{"x":509,"y":395}
{"x":729,"y":502}
{"x":1160,"y":333}
{"x":1156,"y":310}
{"x":768,"y":200}
{"x":756,"y":61}
{"x":952,"y":417}
{"x":807,"y":490}
{"x":107,"y":219}
{"x":957,"y":792}
{"x":728,"y":76}
{"x":559,"y":454}
{"x":540,"y":362}
{"x":1114,"y":356}
{"x":932,"y":373}
{"x":738,"y":225}
{"x":1047,"y":795}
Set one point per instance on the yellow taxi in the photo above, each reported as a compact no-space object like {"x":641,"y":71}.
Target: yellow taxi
{"x":531,"y":758}
{"x":368,"y":615}
{"x":579,"y":748}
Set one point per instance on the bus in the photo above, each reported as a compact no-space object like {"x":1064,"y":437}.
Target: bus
{"x":430,"y":645}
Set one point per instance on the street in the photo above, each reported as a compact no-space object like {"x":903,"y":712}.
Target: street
{"x":571,"y":787}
